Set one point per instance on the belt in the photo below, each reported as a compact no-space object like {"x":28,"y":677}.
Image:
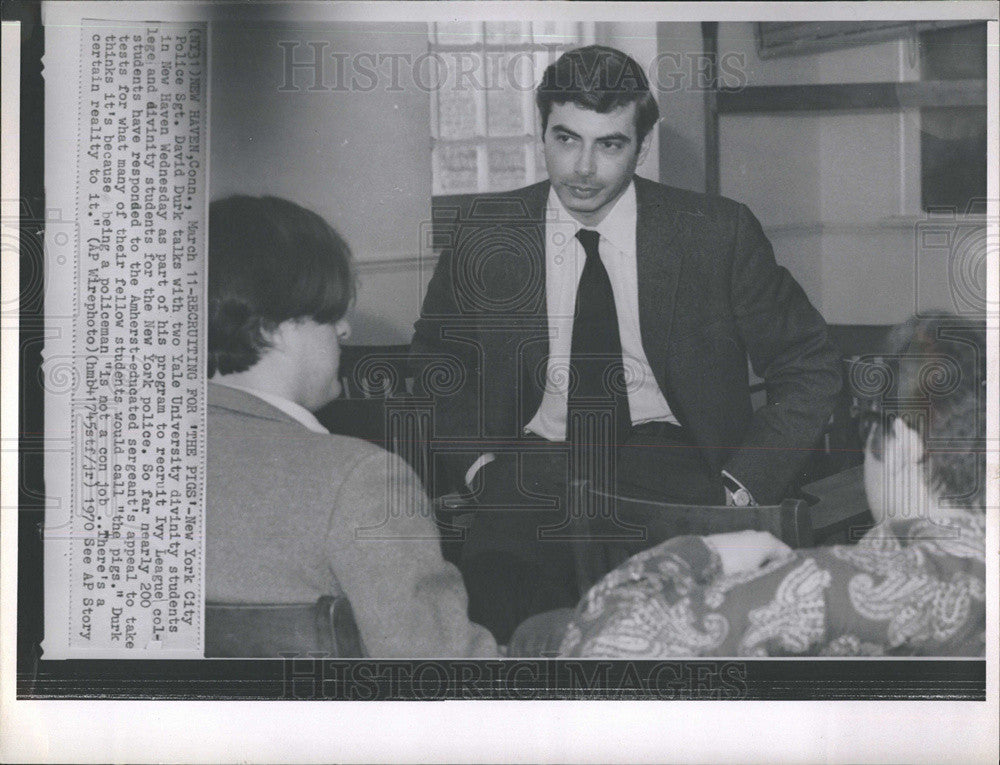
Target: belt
{"x":663,"y":429}
{"x":660,"y":428}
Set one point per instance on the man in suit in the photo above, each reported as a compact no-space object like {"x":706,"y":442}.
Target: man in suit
{"x":294,"y":513}
{"x":603,"y":323}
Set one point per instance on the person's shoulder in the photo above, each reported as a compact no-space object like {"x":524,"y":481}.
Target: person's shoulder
{"x":243,"y":423}
{"x":353,"y":449}
{"x":333,"y":460}
{"x":524,"y":202}
{"x":535,"y":191}
{"x":684,"y":201}
{"x":361,"y":469}
{"x":345,"y":453}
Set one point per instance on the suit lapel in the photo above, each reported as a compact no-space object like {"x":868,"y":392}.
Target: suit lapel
{"x":658,"y":265}
{"x":535,"y":198}
{"x":535,"y":351}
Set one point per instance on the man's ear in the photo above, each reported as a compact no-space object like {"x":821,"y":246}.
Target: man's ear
{"x":274,"y":335}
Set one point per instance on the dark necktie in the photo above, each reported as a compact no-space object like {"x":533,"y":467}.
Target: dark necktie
{"x":596,"y":350}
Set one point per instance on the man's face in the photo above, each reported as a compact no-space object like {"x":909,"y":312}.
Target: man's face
{"x":591,"y":157}
{"x":313,"y":351}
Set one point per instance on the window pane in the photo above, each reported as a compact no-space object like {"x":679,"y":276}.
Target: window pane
{"x":506,"y":166}
{"x":954,"y":54}
{"x":466,"y":33}
{"x":542,"y":61}
{"x":504,"y":108}
{"x":455,"y":168}
{"x":953,"y":139}
{"x":953,"y":156}
{"x":457,"y":95}
{"x":492,"y":102}
{"x":556,"y":32}
{"x":536,"y":120}
{"x":505,"y":32}
{"x":509,"y":78}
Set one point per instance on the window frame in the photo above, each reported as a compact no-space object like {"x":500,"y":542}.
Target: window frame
{"x":482,"y":140}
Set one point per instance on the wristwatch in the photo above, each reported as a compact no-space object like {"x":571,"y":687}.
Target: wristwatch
{"x":741,"y":496}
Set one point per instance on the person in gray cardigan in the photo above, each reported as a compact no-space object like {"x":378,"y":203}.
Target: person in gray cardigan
{"x":294,"y":513}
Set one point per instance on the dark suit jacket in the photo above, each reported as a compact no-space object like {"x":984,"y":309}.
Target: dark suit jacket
{"x":710,"y":295}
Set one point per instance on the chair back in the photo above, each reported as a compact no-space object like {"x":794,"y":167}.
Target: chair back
{"x":838,"y":447}
{"x":633,"y":524}
{"x":377,"y":404}
{"x":375,"y":371}
{"x":273,"y":631}
{"x":842,"y":445}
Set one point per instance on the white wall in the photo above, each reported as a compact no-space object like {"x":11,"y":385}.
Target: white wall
{"x":875,"y":62}
{"x":359,"y":159}
{"x":682,"y":105}
{"x":638,"y":40}
{"x":837,"y":192}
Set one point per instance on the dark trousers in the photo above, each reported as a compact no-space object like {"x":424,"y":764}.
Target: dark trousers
{"x":518,"y":560}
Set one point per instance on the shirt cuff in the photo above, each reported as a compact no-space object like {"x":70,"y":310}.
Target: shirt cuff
{"x":733,"y":486}
{"x":481,"y":460}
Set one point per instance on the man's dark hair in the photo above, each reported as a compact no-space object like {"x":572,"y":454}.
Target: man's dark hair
{"x":600,"y":79}
{"x":269,"y":261}
{"x":939,"y":363}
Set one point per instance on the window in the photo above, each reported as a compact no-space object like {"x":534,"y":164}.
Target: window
{"x":953,"y":138}
{"x":484,"y":124}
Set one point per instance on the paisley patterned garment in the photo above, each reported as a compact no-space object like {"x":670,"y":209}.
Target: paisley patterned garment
{"x":909,"y":587}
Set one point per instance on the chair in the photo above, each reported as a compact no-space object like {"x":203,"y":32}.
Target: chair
{"x":377,"y":404}
{"x":839,"y":507}
{"x":627,"y":525}
{"x":369,"y":376}
{"x":839,"y":447}
{"x":382,"y":403}
{"x":375,"y":371}
{"x":855,"y":340}
{"x":271,"y":631}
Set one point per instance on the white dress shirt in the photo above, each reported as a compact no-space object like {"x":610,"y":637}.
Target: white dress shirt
{"x":564,"y":261}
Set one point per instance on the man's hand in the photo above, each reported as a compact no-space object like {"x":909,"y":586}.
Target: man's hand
{"x":742,"y":551}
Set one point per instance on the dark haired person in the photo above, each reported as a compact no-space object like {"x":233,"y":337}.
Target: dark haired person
{"x":288,"y":504}
{"x":672,"y":289}
{"x":913,"y":585}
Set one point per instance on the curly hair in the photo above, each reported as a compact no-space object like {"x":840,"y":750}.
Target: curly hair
{"x":940,"y":363}
{"x":269,"y":261}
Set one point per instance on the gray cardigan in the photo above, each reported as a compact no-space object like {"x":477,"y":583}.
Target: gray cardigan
{"x":292,"y":515}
